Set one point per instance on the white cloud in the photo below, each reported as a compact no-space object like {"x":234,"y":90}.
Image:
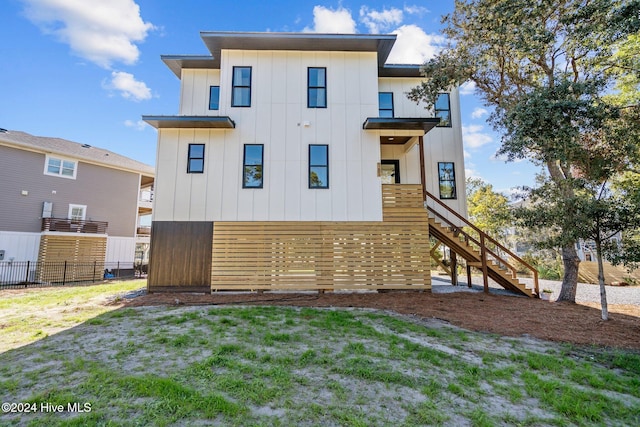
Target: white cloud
{"x":467,"y":88}
{"x":466,"y":154}
{"x":414,"y":46}
{"x":100,"y":31}
{"x":380,"y":21}
{"x":416,"y":10}
{"x":479,"y":112}
{"x":138,"y":125}
{"x":473,"y":137}
{"x":128,"y":86}
{"x":327,"y":20}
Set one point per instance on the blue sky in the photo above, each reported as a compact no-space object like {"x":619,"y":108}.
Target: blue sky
{"x":87,"y":70}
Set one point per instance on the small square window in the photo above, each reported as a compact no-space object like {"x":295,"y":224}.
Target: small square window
{"x":385,"y":104}
{"x":195,"y":160}
{"x":317,"y":87}
{"x":318,"y":166}
{"x":241,"y":90}
{"x":214,"y":97}
{"x":252,"y":170}
{"x":443,"y":110}
{"x":447,"y":180}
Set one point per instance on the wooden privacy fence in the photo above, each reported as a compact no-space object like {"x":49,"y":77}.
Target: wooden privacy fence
{"x":320,"y":255}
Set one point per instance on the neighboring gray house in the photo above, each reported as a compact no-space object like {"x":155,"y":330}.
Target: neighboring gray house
{"x":65,"y":201}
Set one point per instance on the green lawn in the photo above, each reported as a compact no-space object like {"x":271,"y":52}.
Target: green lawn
{"x":264,"y":366}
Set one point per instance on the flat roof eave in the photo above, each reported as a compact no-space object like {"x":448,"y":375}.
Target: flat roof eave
{"x":189,"y":122}
{"x":401,"y":123}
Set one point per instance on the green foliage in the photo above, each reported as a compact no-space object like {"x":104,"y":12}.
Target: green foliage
{"x":488,"y":210}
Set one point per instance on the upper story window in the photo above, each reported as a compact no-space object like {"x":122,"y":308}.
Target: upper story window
{"x":447,"y":180}
{"x":195,"y":160}
{"x":317,"y":87}
{"x":318,"y":166}
{"x":252,"y":170}
{"x":60,"y":167}
{"x":385,"y":102}
{"x":241,"y":91}
{"x":214,"y":97}
{"x":443,"y":110}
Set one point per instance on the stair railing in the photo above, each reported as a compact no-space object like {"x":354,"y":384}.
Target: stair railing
{"x":481,"y":243}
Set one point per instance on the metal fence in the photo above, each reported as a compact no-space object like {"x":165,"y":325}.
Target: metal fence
{"x":23,"y":274}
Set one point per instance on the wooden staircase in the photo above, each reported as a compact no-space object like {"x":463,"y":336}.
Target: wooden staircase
{"x":478,"y":249}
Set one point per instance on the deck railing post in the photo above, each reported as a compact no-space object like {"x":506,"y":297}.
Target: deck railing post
{"x":483,"y":255}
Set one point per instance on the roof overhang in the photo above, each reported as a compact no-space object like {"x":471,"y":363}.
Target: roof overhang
{"x":205,"y":122}
{"x":400,"y":70}
{"x":383,"y":123}
{"x":218,"y":40}
{"x":177,"y":62}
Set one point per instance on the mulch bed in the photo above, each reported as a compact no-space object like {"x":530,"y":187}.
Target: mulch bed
{"x":499,"y":314}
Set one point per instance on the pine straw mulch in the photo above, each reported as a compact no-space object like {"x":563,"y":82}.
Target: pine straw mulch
{"x":498,"y":314}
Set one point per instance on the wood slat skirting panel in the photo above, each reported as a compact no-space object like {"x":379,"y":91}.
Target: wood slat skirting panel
{"x":321,"y":255}
{"x":180,"y":256}
{"x":84,"y":255}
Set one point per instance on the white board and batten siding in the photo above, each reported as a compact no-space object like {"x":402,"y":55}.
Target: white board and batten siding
{"x":121,"y":249}
{"x":279,"y":119}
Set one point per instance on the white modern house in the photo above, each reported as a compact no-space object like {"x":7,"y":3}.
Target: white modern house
{"x":296,"y":161}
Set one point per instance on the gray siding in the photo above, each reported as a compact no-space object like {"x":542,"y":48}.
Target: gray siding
{"x":109,"y":194}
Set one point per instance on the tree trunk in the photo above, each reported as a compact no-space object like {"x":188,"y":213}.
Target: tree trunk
{"x":570,"y":279}
{"x":603,"y":291}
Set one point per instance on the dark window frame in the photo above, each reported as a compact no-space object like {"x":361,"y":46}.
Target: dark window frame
{"x":451,"y":179}
{"x":191,"y":157}
{"x":396,"y":167}
{"x":245,"y":166}
{"x":448,"y":110}
{"x":217,"y":103}
{"x":309,"y":87}
{"x":319,"y":165}
{"x":380,"y":109}
{"x":234,"y":86}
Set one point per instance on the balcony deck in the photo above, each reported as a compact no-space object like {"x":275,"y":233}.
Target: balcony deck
{"x":65,"y":225}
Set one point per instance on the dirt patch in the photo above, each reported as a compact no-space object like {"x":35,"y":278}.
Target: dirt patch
{"x":503,"y":315}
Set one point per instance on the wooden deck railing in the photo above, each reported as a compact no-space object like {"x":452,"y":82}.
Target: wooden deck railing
{"x":489,"y":248}
{"x":74,"y":225}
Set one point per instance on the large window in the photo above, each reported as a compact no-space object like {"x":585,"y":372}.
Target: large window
{"x":60,"y":167}
{"x":385,"y":102}
{"x":252,"y":171}
{"x":318,"y":166}
{"x":214,"y":97}
{"x":317,"y":87}
{"x":443,"y":110}
{"x":447,"y":180}
{"x":195,"y":161}
{"x":241,"y":91}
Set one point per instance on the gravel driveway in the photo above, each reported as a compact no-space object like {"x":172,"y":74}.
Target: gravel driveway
{"x":586,"y":292}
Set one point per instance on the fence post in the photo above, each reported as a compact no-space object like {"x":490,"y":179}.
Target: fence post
{"x":64,"y":274}
{"x":94,"y":271}
{"x":26,"y":275}
{"x":118,"y":276}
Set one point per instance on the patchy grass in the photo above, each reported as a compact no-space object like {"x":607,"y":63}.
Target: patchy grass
{"x":32,"y":314}
{"x":286,"y":366}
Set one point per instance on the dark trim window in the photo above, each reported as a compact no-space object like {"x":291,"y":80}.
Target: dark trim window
{"x":241,"y":90}
{"x":443,"y":110}
{"x":195,"y":160}
{"x":317,"y":87}
{"x":447,"y":180}
{"x":214,"y":97}
{"x":385,"y":103}
{"x":318,"y":166}
{"x":253,"y":162}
